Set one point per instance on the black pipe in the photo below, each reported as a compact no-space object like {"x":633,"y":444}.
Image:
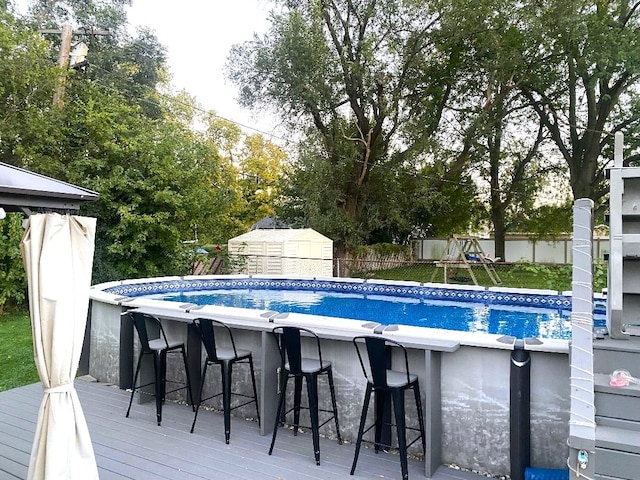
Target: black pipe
{"x":85,"y":354}
{"x":126,"y":352}
{"x":520,"y":409}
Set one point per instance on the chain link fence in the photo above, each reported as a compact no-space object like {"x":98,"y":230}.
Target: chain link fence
{"x":486,"y":274}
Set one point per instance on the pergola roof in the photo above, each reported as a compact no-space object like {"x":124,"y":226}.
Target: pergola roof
{"x":22,"y":190}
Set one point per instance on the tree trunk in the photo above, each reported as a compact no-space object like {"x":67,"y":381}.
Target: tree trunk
{"x":499,"y":233}
{"x":584,"y":181}
{"x":342,"y":259}
{"x":496,"y":204}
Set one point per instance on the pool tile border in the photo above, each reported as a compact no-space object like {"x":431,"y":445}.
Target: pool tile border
{"x":411,"y":289}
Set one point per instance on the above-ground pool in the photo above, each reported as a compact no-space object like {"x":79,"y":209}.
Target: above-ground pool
{"x":465,"y":361}
{"x":520,"y":314}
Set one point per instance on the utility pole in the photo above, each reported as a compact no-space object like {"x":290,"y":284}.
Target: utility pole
{"x":63,"y":63}
{"x":66,"y":34}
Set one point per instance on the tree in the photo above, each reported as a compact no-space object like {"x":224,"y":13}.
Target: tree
{"x":367,"y":82}
{"x":255,"y":163}
{"x":13,"y":282}
{"x":260,"y":165}
{"x":578,"y":86}
{"x":27,"y":79}
{"x":115,"y":60}
{"x":90,"y":13}
{"x":226,"y":138}
{"x":159,"y":181}
{"x":487,"y":114}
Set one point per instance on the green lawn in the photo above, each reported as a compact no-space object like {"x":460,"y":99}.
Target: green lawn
{"x":519,"y":275}
{"x":16,"y":352}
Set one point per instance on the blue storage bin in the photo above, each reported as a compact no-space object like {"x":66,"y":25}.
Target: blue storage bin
{"x":546,"y":474}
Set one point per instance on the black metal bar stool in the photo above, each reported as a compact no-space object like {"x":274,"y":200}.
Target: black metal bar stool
{"x":158,"y":348}
{"x":387,"y":385}
{"x":226,"y":358}
{"x":296,"y":366}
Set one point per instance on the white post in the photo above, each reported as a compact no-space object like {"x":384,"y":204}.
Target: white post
{"x":614,"y":287}
{"x":582,"y":425}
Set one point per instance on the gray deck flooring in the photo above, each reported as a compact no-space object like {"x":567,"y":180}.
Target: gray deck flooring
{"x":135,"y":448}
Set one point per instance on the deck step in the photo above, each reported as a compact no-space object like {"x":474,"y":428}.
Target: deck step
{"x":618,"y":439}
{"x":617,"y":464}
{"x":621,"y":403}
{"x":618,"y":423}
{"x":617,"y":453}
{"x":611,"y":355}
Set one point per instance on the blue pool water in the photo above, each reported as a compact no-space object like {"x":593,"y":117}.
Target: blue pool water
{"x":517,"y":321}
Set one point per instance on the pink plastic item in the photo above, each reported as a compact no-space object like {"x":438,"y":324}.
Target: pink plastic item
{"x":621,"y":378}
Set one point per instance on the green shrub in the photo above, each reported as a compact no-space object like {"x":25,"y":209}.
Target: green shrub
{"x":13,"y":280}
{"x":557,"y":277}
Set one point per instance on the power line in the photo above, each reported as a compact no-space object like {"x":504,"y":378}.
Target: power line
{"x":258,"y":178}
{"x":175,"y":100}
{"x":211,"y":113}
{"x":86,"y":31}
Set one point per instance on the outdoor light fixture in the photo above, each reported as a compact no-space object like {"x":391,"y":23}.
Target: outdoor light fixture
{"x":3,"y":214}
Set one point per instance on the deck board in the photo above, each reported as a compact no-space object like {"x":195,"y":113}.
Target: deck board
{"x":136,"y":448}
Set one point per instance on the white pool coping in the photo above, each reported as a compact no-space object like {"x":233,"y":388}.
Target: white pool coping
{"x":413,"y":334}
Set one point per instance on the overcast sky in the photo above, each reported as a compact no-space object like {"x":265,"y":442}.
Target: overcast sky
{"x":198,"y":35}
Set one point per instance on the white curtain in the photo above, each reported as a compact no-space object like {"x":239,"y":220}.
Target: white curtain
{"x":58,"y":255}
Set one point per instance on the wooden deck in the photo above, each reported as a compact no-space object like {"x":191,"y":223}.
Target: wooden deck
{"x":135,"y":448}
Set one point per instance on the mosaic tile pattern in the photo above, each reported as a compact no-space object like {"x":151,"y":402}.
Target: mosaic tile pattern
{"x":561,"y":302}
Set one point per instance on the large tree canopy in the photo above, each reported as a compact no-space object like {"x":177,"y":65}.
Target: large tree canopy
{"x":390,"y":87}
{"x":583,"y":81}
{"x":370,"y":84}
{"x":499,"y":126}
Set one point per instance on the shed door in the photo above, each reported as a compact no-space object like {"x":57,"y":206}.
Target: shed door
{"x":272,"y":264}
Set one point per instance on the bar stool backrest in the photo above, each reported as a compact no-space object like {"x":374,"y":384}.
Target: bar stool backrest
{"x":378,"y":359}
{"x":206,"y":327}
{"x":290,"y":346}
{"x":144,"y":323}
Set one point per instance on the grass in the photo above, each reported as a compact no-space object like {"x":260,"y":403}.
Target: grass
{"x":517,"y":275}
{"x":16,"y":351}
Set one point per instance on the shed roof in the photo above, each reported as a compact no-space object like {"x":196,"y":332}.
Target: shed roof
{"x":269,"y":223}
{"x":21,"y":189}
{"x":281,"y":235}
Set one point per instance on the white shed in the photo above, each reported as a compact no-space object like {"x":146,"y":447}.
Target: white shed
{"x":283,"y":252}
